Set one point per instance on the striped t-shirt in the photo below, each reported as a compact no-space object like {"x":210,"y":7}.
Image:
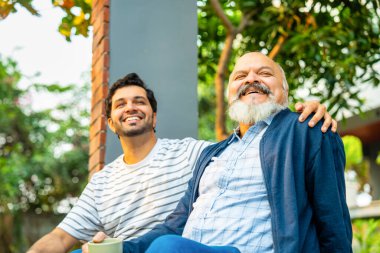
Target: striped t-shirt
{"x":127,"y":201}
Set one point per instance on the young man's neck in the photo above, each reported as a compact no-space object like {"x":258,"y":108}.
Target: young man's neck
{"x":136,"y":148}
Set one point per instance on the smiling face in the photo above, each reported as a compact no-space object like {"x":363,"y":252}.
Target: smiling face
{"x":265,"y":75}
{"x":131,"y":112}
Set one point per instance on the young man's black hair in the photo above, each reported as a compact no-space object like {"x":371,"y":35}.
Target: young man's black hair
{"x":128,"y":80}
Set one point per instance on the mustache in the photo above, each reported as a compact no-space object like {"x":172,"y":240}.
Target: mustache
{"x":257,"y":85}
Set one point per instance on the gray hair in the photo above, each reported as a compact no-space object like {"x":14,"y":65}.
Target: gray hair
{"x":285,"y":84}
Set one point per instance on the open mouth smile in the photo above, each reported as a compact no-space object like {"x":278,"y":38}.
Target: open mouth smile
{"x":252,"y":92}
{"x":132,"y":118}
{"x":254,"y":88}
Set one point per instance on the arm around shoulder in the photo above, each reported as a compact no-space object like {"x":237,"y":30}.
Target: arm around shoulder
{"x":57,"y":241}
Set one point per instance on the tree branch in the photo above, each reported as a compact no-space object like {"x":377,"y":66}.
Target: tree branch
{"x":244,"y":21}
{"x":231,"y":31}
{"x":280,"y":42}
{"x":223,"y":17}
{"x":276,"y":49}
{"x":220,"y":121}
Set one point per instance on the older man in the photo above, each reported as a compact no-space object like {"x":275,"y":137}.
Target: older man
{"x":274,"y":185}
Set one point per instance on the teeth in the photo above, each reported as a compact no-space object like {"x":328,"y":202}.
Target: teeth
{"x":132,"y":118}
{"x":253,"y":92}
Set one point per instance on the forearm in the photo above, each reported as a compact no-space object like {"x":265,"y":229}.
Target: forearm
{"x":57,"y":241}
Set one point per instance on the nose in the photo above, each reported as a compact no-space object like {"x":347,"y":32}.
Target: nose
{"x":130,"y":107}
{"x":251,"y":77}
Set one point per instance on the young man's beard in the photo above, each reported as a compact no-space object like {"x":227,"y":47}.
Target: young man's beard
{"x":135,"y":132}
{"x":250,"y":113}
{"x":147,"y":127}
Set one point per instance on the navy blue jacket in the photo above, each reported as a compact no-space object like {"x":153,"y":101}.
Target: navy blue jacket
{"x":304,"y":175}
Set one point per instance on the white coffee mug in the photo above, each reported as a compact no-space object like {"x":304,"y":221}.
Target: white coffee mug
{"x":109,"y":245}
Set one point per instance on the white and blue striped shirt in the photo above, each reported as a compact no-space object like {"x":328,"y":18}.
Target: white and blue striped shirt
{"x":127,"y":201}
{"x":232,"y":207}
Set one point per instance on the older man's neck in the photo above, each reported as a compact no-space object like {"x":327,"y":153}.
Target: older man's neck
{"x":244,"y":128}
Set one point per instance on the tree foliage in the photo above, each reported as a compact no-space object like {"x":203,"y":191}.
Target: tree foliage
{"x":328,"y":49}
{"x":355,"y":160}
{"x":77,"y":17}
{"x":366,"y":235}
{"x":9,"y":6}
{"x":43,"y":154}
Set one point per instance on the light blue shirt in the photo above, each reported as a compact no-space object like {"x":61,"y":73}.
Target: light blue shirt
{"x":232,"y":207}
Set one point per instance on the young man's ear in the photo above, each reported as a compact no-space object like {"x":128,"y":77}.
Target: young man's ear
{"x":154,"y":120}
{"x":110,"y":124}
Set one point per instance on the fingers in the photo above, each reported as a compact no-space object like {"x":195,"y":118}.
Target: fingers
{"x":299,"y":107}
{"x":85,"y":248}
{"x":99,"y":237}
{"x":310,"y":107}
{"x":320,"y":113}
{"x":327,"y":123}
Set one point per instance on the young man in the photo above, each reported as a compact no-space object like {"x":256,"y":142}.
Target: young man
{"x":275,"y":185}
{"x":142,"y":186}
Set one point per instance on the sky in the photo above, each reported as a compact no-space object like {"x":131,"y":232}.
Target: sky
{"x":37,"y":46}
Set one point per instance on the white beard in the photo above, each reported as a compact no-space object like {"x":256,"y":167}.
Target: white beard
{"x":248,"y":114}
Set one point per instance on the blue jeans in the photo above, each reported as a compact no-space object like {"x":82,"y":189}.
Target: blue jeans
{"x":178,"y":244}
{"x":76,"y":251}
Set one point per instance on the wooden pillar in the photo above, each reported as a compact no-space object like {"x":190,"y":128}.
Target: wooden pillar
{"x":100,"y":81}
